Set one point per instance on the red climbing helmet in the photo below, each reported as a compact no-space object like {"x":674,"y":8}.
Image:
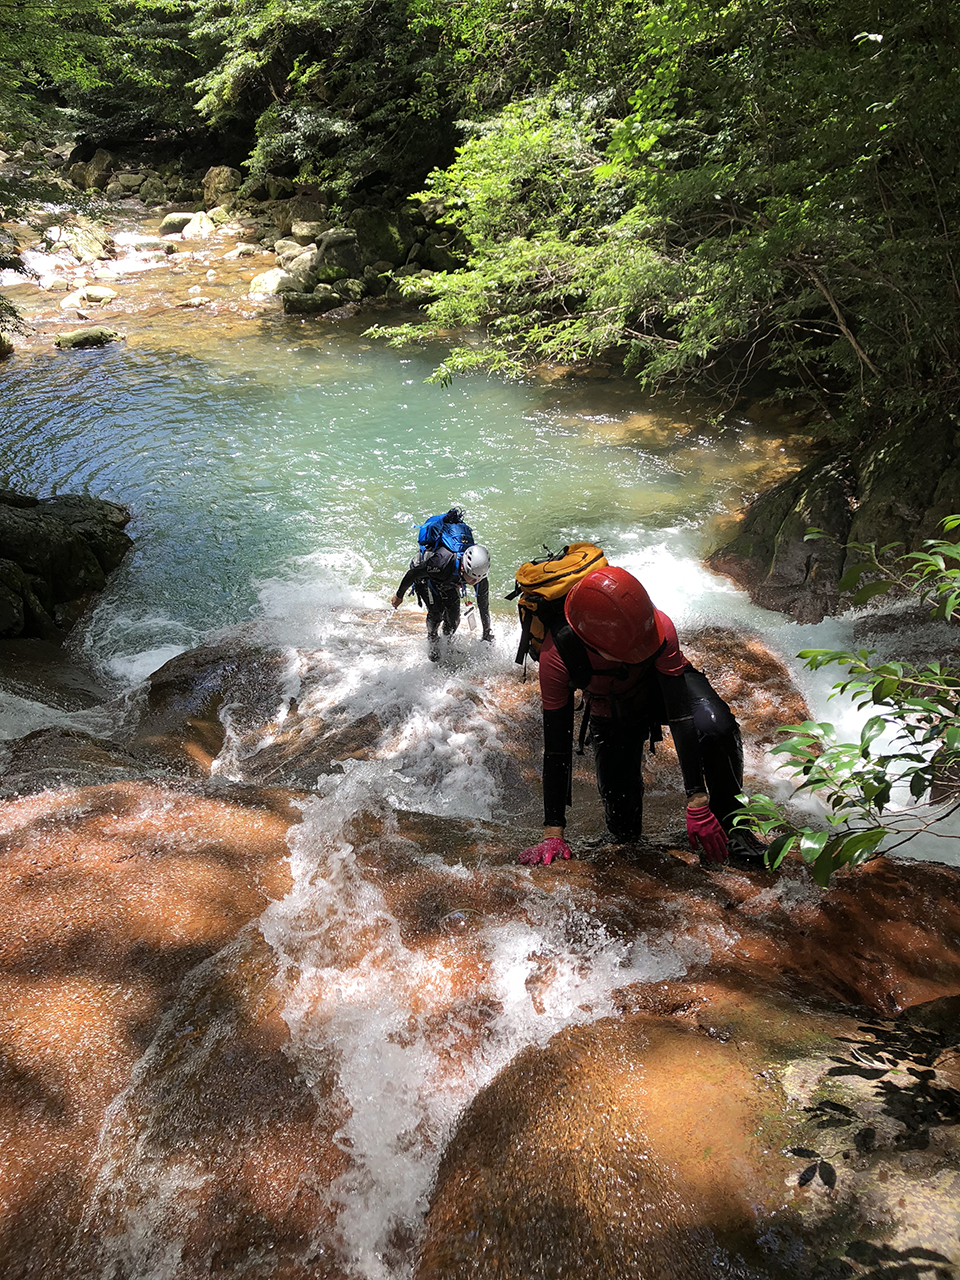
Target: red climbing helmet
{"x":610,"y":611}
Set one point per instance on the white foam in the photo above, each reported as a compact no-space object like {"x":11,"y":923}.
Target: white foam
{"x":372,"y":1006}
{"x":20,"y":716}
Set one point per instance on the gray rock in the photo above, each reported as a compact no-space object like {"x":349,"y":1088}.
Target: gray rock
{"x":769,"y":555}
{"x":6,"y":346}
{"x":308,"y":232}
{"x":339,"y":248}
{"x":87,"y":241}
{"x":20,"y":610}
{"x":173,"y":223}
{"x":382,"y":234}
{"x":153,"y":191}
{"x":290,"y":256}
{"x":96,"y":336}
{"x":200,"y":227}
{"x":273,"y":281}
{"x":131,"y":181}
{"x":305,"y":270}
{"x":218,"y":181}
{"x":350,"y":290}
{"x":304,"y":304}
{"x":285,"y":245}
{"x":114,"y":191}
{"x":98,"y":170}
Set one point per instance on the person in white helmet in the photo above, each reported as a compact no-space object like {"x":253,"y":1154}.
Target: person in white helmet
{"x":439,"y":579}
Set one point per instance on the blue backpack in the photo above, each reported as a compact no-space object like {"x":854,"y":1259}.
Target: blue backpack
{"x":448,"y":530}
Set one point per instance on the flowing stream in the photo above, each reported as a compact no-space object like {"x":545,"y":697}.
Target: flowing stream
{"x":276,"y":470}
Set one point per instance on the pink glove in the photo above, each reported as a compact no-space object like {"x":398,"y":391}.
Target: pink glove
{"x":703,"y":828}
{"x":545,"y":852}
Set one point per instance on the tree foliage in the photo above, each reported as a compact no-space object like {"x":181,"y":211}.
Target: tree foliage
{"x":883,"y":787}
{"x":786,"y":202}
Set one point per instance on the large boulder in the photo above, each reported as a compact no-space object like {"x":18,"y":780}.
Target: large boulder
{"x":86,"y":240}
{"x":273,"y":281}
{"x":383,"y":235}
{"x":97,"y":171}
{"x":896,"y":488}
{"x":57,"y":552}
{"x":769,"y":556}
{"x":219,"y":181}
{"x":173,"y":223}
{"x":711,"y":1141}
{"x":200,"y":227}
{"x":339,"y":248}
{"x":323,"y":298}
{"x":153,"y":191}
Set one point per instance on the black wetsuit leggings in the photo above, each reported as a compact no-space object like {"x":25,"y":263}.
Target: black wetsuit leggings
{"x":618,"y":749}
{"x":443,"y":608}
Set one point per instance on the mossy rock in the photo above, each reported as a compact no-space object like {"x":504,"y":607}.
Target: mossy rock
{"x":96,"y":336}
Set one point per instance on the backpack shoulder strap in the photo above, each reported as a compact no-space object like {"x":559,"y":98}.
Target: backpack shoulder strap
{"x":574,"y":654}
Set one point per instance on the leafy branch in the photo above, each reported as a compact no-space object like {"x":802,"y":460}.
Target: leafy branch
{"x":910,"y":746}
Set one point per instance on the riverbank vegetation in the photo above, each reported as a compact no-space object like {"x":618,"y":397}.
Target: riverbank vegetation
{"x":727,"y":194}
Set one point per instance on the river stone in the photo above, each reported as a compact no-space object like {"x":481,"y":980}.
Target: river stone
{"x":241,"y":251}
{"x":304,"y":270}
{"x":98,"y":169}
{"x":286,"y":246}
{"x":199,"y":227}
{"x":218,"y":181}
{"x":130,"y":181}
{"x":350,"y":290}
{"x":290,"y":256}
{"x":308,"y":232}
{"x":95,"y":336}
{"x":273,"y":281}
{"x":20,"y":610}
{"x":322,"y":299}
{"x":717,"y":1141}
{"x":153,"y":191}
{"x":98,"y":293}
{"x":114,"y":191}
{"x":6,"y":346}
{"x":65,"y":547}
{"x":174,"y":223}
{"x":339,"y":248}
{"x":84,"y":239}
{"x":382,"y":234}
{"x":57,"y":757}
{"x":769,"y":555}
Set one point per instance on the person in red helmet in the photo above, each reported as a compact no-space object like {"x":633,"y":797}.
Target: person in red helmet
{"x":625,"y":656}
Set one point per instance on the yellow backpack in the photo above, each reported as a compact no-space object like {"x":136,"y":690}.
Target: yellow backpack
{"x":541,"y":586}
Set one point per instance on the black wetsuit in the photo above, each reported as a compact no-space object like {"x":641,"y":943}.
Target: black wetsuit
{"x":437,"y":584}
{"x":704,"y":730}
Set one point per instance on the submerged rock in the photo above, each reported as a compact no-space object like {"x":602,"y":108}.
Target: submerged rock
{"x":79,"y":339}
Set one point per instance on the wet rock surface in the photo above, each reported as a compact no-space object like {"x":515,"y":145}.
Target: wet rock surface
{"x":673,"y":1137}
{"x":54,"y":554}
{"x":896,"y":488}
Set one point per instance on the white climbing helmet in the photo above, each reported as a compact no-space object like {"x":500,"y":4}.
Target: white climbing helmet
{"x":475,"y":564}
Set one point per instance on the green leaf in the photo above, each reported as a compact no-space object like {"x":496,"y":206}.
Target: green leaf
{"x":869,"y":590}
{"x":812,"y":844}
{"x":853,"y":575}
